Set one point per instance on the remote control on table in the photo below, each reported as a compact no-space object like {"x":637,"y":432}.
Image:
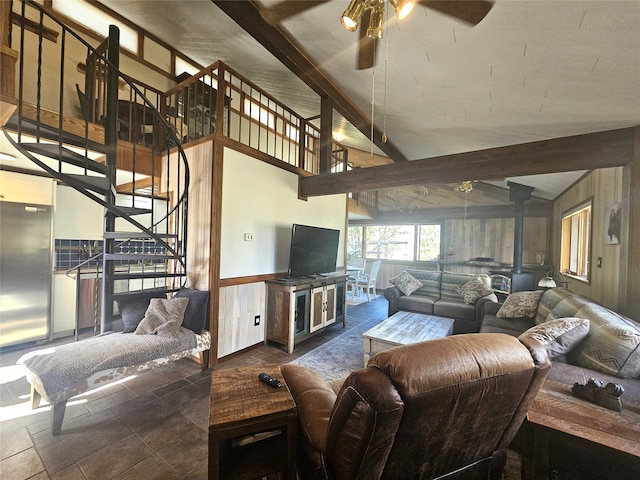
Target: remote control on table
{"x":269,"y":380}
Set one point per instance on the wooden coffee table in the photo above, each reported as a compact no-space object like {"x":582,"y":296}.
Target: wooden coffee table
{"x":243,"y":409}
{"x":404,"y":328}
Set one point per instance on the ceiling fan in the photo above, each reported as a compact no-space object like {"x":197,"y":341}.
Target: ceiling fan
{"x":369,"y":16}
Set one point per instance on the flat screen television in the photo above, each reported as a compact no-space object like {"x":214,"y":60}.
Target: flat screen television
{"x":314,"y":250}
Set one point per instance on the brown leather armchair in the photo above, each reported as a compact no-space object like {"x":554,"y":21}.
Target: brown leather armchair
{"x":439,"y":409}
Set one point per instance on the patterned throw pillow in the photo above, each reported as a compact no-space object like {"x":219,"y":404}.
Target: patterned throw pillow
{"x":473,"y":290}
{"x":520,"y":305}
{"x":406,"y":282}
{"x":163,"y":317}
{"x":559,"y":336}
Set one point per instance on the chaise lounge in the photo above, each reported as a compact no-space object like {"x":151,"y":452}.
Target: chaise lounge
{"x":164,"y":334}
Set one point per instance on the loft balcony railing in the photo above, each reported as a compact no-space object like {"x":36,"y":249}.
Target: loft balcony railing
{"x":203,"y":104}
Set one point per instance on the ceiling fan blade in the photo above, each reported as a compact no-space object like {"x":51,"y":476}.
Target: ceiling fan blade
{"x":367,"y":47}
{"x":469,"y":11}
{"x":285,"y":9}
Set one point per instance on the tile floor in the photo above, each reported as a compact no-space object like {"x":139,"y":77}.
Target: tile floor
{"x":153,"y":426}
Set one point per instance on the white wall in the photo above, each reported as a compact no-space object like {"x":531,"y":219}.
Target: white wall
{"x":261,"y":199}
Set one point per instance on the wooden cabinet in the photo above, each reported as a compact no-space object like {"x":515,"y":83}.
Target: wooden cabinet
{"x":297,"y":308}
{"x":323,"y":307}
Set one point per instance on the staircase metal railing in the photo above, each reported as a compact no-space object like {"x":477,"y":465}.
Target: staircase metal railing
{"x":85,"y":153}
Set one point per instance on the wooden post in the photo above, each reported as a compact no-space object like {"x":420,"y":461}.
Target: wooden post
{"x":326,"y":114}
{"x":8,"y":57}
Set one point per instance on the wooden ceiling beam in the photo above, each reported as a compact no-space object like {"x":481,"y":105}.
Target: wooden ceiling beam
{"x":425,"y":215}
{"x":612,"y":148}
{"x":247,"y":16}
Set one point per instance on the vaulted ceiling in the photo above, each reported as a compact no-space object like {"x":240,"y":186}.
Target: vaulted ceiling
{"x":529,"y":71}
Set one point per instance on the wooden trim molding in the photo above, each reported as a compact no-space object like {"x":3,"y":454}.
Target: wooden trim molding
{"x":234,"y":281}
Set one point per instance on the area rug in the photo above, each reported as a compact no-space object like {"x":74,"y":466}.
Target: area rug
{"x":340,"y":356}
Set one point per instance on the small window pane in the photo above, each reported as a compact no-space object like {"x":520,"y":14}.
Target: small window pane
{"x":576,"y":242}
{"x":393,"y":242}
{"x":429,"y":248}
{"x":354,"y":242}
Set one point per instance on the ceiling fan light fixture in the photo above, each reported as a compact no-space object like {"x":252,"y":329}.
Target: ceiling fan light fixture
{"x":402,"y":7}
{"x":376,"y":21}
{"x":352,"y":15}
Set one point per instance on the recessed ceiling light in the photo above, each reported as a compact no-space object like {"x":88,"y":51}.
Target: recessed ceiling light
{"x":7,"y":157}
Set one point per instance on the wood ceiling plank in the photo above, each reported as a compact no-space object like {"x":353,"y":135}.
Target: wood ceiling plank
{"x":247,"y":16}
{"x":612,"y":148}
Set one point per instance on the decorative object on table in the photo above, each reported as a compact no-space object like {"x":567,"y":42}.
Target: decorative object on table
{"x":612,"y":216}
{"x":547,"y":281}
{"x":607,"y":396}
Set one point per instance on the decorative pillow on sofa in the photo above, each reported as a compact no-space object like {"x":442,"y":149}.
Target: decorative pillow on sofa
{"x":132,"y":311}
{"x":559,"y":336}
{"x":520,"y":305}
{"x":195,"y":317}
{"x":163,"y":317}
{"x":473,"y":290}
{"x":406,"y":282}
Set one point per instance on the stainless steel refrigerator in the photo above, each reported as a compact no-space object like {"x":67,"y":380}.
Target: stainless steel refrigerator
{"x":25,"y":272}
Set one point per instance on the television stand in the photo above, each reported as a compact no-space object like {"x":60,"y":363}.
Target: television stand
{"x":297,"y":308}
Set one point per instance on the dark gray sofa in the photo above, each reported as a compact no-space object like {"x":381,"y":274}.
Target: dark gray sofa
{"x":438,"y":296}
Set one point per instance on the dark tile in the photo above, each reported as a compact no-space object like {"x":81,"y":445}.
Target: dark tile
{"x":22,"y":465}
{"x":185,"y":397}
{"x":200,"y":472}
{"x":185,"y":452}
{"x":14,"y":442}
{"x":71,"y":473}
{"x":151,"y":468}
{"x":147,"y":382}
{"x":173,"y":386}
{"x":115,"y":458}
{"x":56,"y":457}
{"x":161,"y":430}
{"x":110,"y":400}
{"x":84,"y":442}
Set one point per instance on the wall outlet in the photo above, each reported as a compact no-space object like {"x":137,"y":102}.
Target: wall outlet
{"x":248,"y":237}
{"x":256,"y":320}
{"x":599,"y":263}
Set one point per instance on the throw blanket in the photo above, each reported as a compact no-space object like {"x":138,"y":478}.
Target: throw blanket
{"x":66,"y":365}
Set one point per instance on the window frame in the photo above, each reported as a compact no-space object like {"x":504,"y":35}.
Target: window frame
{"x":577,"y":249}
{"x":416,"y":236}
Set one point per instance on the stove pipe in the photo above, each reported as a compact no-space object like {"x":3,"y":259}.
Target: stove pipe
{"x":518,"y":194}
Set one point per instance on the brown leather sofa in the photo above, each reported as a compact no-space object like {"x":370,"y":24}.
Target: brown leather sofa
{"x":609,"y":353}
{"x":445,"y":408}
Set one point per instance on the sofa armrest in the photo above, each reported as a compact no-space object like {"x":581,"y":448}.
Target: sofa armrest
{"x":481,"y":305}
{"x":487,"y":307}
{"x":314,"y":400}
{"x":392,"y":294}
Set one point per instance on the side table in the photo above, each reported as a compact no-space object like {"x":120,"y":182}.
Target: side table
{"x":252,"y":426}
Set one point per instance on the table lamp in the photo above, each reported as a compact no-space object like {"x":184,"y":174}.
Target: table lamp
{"x":548,"y":281}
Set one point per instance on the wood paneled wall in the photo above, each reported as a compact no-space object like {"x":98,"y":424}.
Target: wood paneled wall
{"x":200,"y":223}
{"x":239,"y":305}
{"x":605,"y":187}
{"x":493,"y":237}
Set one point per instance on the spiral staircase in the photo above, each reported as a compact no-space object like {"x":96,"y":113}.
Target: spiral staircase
{"x":142,"y":185}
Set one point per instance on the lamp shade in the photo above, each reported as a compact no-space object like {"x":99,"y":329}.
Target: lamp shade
{"x":547,"y":282}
